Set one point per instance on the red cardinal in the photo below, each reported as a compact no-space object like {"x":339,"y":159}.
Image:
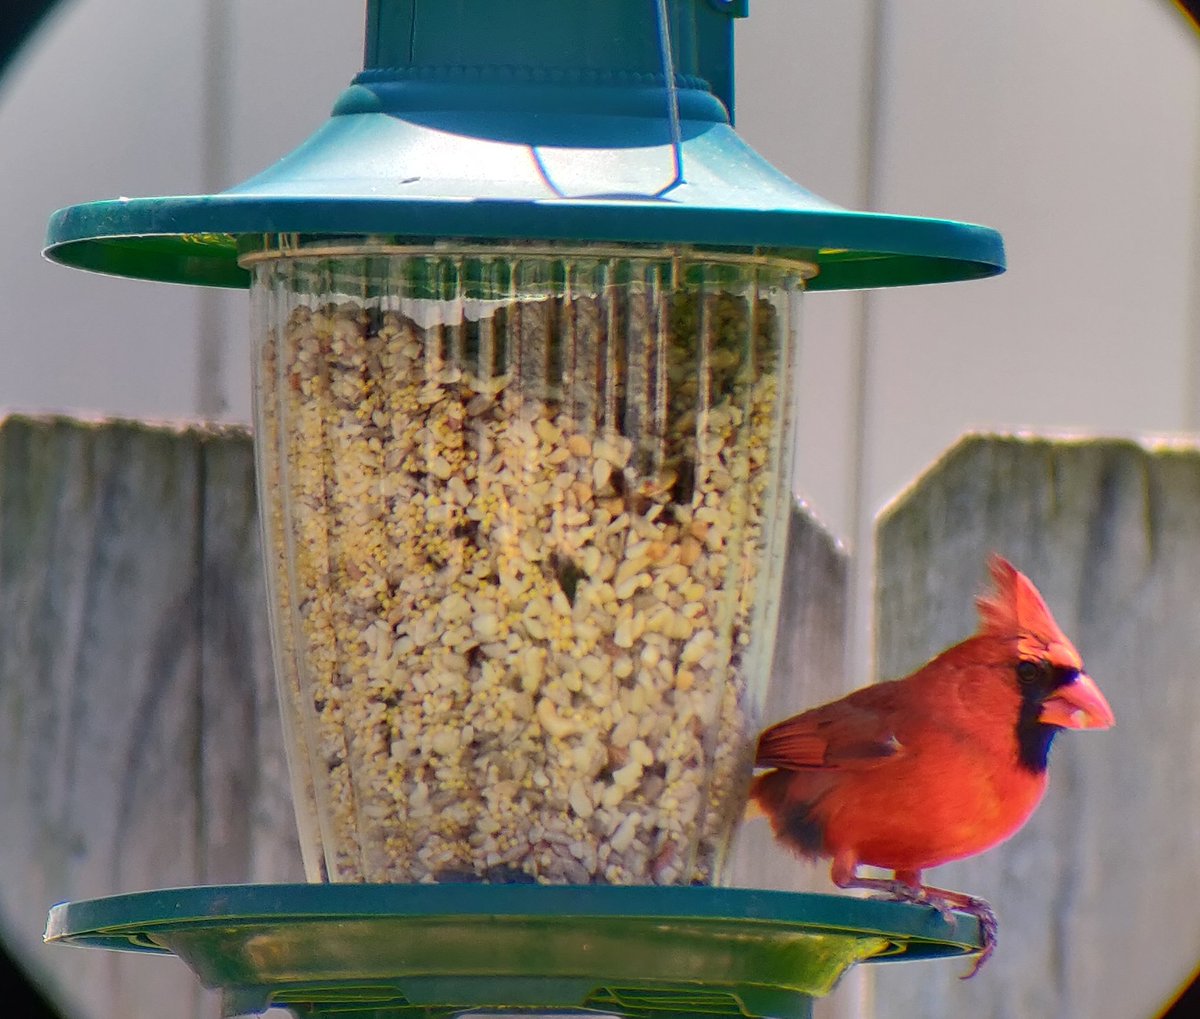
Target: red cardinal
{"x":937,"y":766}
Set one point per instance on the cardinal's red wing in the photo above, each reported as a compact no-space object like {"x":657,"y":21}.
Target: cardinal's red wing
{"x":852,"y":733}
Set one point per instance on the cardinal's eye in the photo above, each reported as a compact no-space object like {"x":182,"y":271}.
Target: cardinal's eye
{"x":1030,"y":672}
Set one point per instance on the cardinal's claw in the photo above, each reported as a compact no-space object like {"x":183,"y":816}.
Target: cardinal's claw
{"x":940,"y":906}
{"x":948,"y":903}
{"x":989,"y":931}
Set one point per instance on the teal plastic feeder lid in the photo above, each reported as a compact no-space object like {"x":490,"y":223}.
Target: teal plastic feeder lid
{"x":535,"y":120}
{"x":432,"y":951}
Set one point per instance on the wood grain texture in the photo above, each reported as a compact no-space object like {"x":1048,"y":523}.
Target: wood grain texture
{"x":808,"y":668}
{"x":247,"y":822}
{"x":1095,"y":896}
{"x":140,"y":741}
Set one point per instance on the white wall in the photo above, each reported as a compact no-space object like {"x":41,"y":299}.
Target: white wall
{"x":1074,"y":128}
{"x":139,"y":97}
{"x":1071,"y":127}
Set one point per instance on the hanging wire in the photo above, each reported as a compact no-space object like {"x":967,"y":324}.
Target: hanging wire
{"x":668,"y":68}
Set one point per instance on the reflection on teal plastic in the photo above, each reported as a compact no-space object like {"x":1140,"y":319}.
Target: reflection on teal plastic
{"x":433,"y":950}
{"x":545,"y":120}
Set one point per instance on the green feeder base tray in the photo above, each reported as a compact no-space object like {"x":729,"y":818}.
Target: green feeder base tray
{"x":394,"y":951}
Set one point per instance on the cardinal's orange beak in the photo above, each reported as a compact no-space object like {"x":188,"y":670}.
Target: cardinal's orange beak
{"x":1078,"y":705}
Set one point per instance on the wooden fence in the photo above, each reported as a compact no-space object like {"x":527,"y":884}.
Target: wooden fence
{"x":140,"y":745}
{"x":141,"y":742}
{"x":1097,"y":895}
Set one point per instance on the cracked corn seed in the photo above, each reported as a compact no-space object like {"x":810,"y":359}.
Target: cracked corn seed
{"x":526,"y":534}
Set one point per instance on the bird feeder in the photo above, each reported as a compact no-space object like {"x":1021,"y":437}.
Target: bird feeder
{"x":524,"y":317}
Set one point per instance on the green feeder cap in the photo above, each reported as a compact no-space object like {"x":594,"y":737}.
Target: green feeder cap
{"x":541,"y":120}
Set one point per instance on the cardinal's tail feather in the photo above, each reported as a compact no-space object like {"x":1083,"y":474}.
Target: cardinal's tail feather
{"x":793,"y":820}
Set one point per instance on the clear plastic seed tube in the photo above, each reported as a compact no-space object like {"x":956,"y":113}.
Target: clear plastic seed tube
{"x":524,"y":513}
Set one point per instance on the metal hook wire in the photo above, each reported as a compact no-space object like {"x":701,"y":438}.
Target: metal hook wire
{"x":668,"y":68}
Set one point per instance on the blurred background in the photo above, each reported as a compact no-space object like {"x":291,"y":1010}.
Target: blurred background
{"x":1072,"y":127}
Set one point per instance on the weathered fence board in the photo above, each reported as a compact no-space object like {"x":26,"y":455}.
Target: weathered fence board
{"x":809,"y":667}
{"x":1096,"y":896}
{"x":140,"y":745}
{"x":247,"y":822}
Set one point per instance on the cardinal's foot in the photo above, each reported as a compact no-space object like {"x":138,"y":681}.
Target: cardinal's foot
{"x":989,"y":926}
{"x":906,"y":887}
{"x":989,"y":931}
